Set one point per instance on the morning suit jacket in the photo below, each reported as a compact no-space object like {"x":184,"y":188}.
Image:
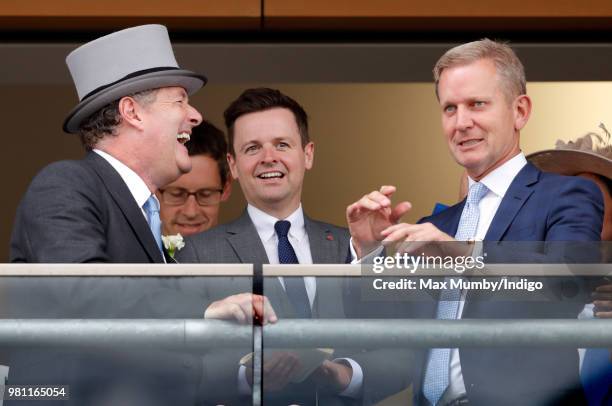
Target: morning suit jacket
{"x":81,"y":211}
{"x":239,"y":242}
{"x":537,"y":206}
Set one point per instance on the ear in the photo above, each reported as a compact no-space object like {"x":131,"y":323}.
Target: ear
{"x":231,"y":161}
{"x":309,"y":155}
{"x":522,"y":111}
{"x":227,"y":189}
{"x":131,"y":112}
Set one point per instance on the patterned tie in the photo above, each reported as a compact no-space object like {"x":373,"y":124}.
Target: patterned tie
{"x":294,"y":286}
{"x":437,"y":371}
{"x":151,"y":208}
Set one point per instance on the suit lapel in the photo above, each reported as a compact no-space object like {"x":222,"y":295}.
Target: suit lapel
{"x":245,"y":241}
{"x":448,"y":220}
{"x":126,"y":203}
{"x":169,"y":259}
{"x":519,"y":191}
{"x":323,"y":246}
{"x":243,"y":237}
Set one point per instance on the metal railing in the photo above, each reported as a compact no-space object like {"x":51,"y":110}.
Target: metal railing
{"x":195,"y":335}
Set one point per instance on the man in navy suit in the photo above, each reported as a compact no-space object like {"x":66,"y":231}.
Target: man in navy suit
{"x":482,"y":94}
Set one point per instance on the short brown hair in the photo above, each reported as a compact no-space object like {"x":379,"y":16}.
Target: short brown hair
{"x":509,"y":68}
{"x":207,"y":139}
{"x":105,"y":121}
{"x":260,"y":99}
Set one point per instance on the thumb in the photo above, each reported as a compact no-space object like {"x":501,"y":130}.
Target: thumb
{"x":399,"y":210}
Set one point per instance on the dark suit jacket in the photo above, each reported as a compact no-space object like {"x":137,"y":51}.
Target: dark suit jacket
{"x":81,"y":211}
{"x":238,"y":242}
{"x":537,"y":207}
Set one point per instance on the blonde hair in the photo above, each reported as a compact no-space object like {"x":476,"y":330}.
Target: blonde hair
{"x":509,"y":68}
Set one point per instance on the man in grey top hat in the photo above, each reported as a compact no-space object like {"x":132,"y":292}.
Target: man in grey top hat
{"x":133,"y":118}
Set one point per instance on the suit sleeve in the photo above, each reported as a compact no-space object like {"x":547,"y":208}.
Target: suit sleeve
{"x":58,"y":220}
{"x":577,"y":213}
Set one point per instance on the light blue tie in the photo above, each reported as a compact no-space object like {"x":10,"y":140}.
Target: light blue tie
{"x":151,"y":208}
{"x":437,"y":371}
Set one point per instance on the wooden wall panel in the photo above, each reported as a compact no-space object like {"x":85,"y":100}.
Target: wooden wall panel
{"x":107,"y":14}
{"x":414,"y":15}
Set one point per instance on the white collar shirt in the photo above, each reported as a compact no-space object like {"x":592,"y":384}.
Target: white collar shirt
{"x":298,"y":237}
{"x":498,"y":182}
{"x":137,"y":187}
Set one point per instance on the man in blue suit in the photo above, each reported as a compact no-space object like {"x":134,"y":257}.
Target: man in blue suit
{"x":482,"y":94}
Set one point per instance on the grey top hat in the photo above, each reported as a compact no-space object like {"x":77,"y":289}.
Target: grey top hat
{"x":124,"y":62}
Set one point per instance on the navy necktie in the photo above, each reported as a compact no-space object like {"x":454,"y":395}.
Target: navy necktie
{"x":294,"y":286}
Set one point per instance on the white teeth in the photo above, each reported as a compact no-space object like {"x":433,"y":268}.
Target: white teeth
{"x":269,"y":175}
{"x":470,"y":142}
{"x":183,"y":136}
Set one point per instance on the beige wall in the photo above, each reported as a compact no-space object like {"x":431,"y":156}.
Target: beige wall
{"x":365,"y":134}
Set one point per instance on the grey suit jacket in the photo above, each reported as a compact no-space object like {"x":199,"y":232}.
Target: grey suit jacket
{"x":81,"y":211}
{"x":238,"y":242}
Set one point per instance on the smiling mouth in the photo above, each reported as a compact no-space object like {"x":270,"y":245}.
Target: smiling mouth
{"x":469,"y":143}
{"x":271,"y":175}
{"x":183,"y":137}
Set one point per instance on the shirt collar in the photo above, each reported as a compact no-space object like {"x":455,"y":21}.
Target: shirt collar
{"x":138,"y":188}
{"x":499,"y":180}
{"x":264,"y":223}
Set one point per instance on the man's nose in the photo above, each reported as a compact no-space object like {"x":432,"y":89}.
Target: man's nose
{"x":269,"y":154}
{"x":195,"y":118}
{"x":464,"y":119}
{"x":190,"y":208}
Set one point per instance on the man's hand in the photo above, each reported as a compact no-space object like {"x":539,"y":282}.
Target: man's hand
{"x":333,"y":376}
{"x":245,"y":308}
{"x":278,"y":370}
{"x":602,"y":299}
{"x":425,"y":238}
{"x":370,"y":215}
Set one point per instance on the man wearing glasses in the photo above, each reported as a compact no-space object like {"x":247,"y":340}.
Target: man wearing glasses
{"x":190,"y":204}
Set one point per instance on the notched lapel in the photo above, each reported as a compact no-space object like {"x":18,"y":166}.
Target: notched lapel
{"x":245,"y":241}
{"x":323,"y":244}
{"x":516,"y":196}
{"x":123,"y":197}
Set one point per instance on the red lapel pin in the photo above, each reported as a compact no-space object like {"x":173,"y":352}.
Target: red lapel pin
{"x":330,"y":237}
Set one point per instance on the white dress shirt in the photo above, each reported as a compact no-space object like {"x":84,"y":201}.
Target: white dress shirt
{"x":137,"y":187}
{"x":498,"y":182}
{"x":298,"y":237}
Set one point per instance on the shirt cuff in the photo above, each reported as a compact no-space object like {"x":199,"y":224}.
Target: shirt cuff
{"x":366,"y":259}
{"x":353,"y":390}
{"x":243,"y":385}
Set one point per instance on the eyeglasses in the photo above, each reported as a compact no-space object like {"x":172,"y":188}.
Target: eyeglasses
{"x":175,"y":196}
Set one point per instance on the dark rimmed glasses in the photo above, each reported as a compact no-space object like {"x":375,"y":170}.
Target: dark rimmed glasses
{"x":176,"y":196}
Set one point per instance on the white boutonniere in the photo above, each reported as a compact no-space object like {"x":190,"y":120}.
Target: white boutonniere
{"x":173,"y":243}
